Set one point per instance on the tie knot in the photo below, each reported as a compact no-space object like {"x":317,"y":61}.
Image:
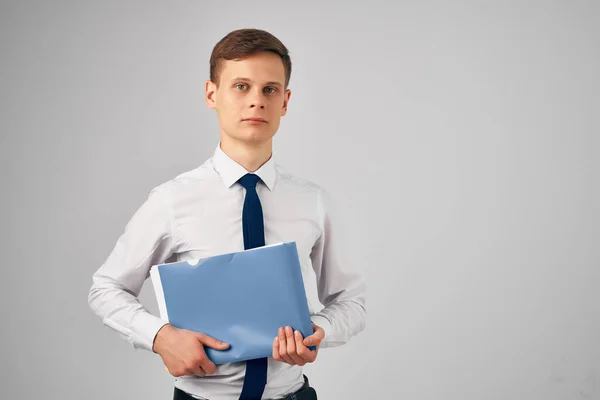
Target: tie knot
{"x":249,"y":180}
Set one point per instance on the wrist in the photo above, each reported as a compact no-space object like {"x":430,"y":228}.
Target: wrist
{"x":159,"y":337}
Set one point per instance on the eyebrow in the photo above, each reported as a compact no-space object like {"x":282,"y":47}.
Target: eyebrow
{"x":240,"y":78}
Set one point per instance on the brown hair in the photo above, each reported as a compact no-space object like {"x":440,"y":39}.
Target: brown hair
{"x":242,"y":43}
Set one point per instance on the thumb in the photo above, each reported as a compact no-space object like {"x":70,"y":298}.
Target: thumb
{"x":211,"y":342}
{"x":314,"y":339}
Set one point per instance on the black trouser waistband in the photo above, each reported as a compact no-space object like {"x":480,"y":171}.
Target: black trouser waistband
{"x":304,"y":393}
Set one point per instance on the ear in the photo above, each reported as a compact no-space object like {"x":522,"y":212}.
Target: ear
{"x":210,"y":89}
{"x":286,"y":100}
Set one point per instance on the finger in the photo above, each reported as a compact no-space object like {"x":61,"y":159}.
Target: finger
{"x":312,"y":340}
{"x":208,"y":366}
{"x":316,"y":338}
{"x":211,"y":342}
{"x":197,"y":371}
{"x":276,"y":354}
{"x":291,"y":346}
{"x":303,"y":351}
{"x":283,"y":347}
{"x":186,"y":370}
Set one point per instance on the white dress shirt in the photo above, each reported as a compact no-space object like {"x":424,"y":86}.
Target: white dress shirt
{"x":199,"y":214}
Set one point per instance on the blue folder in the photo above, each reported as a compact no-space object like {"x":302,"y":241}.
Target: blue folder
{"x":240,"y":298}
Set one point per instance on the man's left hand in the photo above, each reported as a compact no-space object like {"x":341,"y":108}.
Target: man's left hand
{"x":290,"y":347}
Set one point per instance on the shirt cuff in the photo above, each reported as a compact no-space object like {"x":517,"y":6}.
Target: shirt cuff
{"x":144,"y":328}
{"x":324,"y":323}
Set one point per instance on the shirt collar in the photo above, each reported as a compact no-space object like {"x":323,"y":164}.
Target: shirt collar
{"x":230,"y":171}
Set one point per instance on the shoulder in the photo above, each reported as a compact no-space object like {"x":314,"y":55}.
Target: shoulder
{"x":289,"y":179}
{"x":302,"y":186}
{"x":203,"y":175}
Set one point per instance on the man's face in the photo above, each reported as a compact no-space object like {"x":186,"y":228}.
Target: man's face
{"x":251,"y":98}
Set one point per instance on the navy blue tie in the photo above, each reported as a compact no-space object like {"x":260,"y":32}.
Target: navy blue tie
{"x":254,"y":236}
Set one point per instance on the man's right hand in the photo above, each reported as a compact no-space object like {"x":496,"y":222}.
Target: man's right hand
{"x":183,"y":353}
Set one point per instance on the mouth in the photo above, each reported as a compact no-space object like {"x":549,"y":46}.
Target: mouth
{"x":255,"y":120}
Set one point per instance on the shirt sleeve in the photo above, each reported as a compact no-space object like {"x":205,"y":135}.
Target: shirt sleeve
{"x":341,"y":289}
{"x":146,"y":241}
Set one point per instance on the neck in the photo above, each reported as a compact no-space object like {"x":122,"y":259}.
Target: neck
{"x":249,"y":155}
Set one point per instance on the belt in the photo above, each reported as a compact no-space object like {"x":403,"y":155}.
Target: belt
{"x":304,"y":393}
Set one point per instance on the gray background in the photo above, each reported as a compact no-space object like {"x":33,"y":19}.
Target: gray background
{"x":459,"y":140}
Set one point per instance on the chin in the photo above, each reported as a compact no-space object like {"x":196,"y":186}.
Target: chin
{"x":254,"y":135}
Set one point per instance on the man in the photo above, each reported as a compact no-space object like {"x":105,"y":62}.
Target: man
{"x":203,"y":212}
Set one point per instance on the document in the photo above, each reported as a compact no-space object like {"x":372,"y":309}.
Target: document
{"x":240,"y":298}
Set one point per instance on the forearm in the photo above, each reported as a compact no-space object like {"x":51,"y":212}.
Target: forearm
{"x":341,"y":288}
{"x":120,"y":310}
{"x":341,"y":320}
{"x":113,"y":296}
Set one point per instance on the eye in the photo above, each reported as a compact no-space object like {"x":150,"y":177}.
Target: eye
{"x":270,"y":89}
{"x":240,"y":84}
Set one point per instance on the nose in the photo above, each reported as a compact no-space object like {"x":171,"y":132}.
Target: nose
{"x":257,"y":100}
